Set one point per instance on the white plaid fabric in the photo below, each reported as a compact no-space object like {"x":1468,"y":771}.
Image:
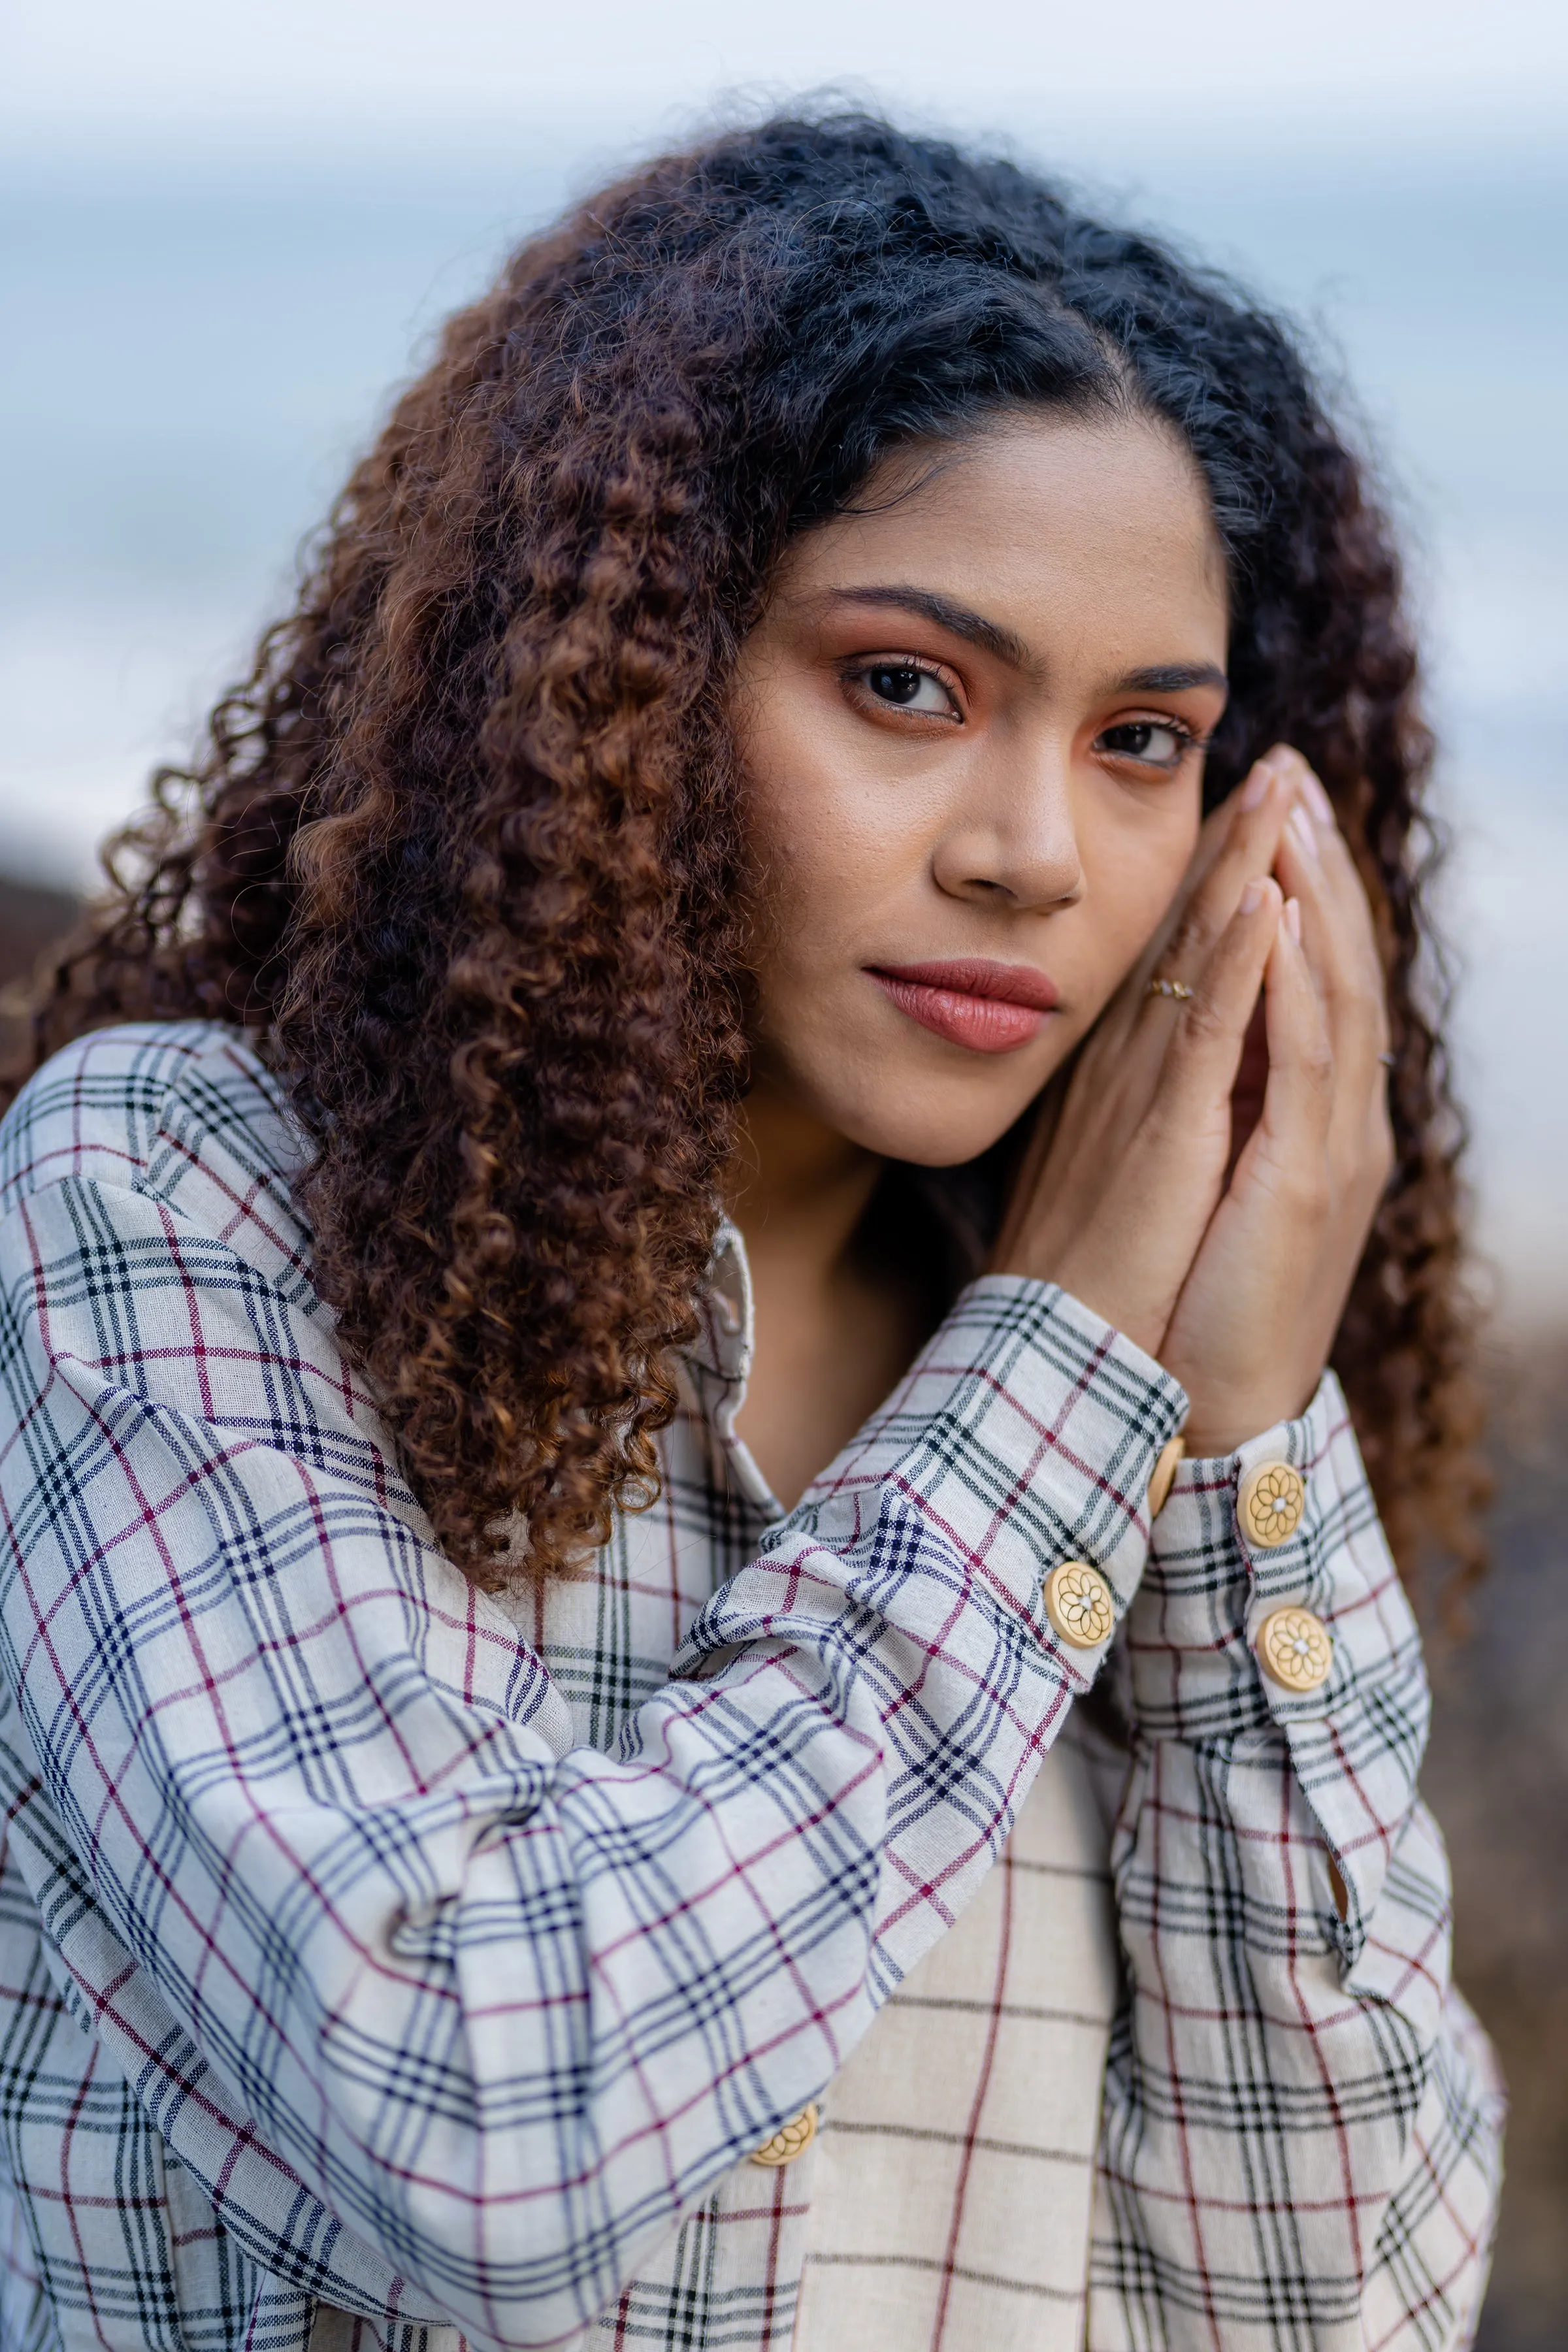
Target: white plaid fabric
{"x":355,"y":1948}
{"x":952,"y":2196}
{"x":1302,"y":2131}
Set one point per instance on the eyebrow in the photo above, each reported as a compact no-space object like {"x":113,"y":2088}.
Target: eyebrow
{"x":959,"y":620}
{"x":947,"y":614}
{"x":1172,"y":677}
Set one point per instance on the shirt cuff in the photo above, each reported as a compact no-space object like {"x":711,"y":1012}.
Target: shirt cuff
{"x":1285,"y":1524}
{"x":1027,"y":1431}
{"x":1309,"y":1634}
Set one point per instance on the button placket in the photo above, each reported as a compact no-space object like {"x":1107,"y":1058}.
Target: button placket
{"x":1293,"y":1646}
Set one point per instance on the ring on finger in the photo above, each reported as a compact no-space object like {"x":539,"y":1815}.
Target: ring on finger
{"x":1170,"y":988}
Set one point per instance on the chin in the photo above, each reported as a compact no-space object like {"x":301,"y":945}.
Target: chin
{"x":931,"y":1124}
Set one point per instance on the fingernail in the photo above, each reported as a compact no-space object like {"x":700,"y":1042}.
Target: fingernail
{"x":1317,"y":801}
{"x":1255,"y":792}
{"x":1293,"y":918}
{"x":1301,"y":827}
{"x":1251,"y":897}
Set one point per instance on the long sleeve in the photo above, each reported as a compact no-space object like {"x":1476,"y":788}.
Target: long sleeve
{"x":1301,"y":2135}
{"x":445,"y":2016}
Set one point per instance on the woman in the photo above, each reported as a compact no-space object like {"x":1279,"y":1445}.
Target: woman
{"x":701,"y":957}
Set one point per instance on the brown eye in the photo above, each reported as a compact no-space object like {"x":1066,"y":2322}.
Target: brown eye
{"x":1148,"y":741}
{"x":904,"y":685}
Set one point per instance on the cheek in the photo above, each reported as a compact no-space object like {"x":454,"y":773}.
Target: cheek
{"x":1133,"y":870}
{"x":822,"y":848}
{"x":810,"y":842}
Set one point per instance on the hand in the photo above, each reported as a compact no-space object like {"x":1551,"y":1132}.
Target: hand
{"x":1126,"y":1169}
{"x":1120,"y":1197}
{"x":1258,"y":1313}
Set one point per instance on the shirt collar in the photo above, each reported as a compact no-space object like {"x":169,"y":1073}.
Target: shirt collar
{"x":725,"y":1313}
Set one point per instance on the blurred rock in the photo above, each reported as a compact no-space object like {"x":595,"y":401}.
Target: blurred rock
{"x":32,"y":918}
{"x":1497,"y":1776}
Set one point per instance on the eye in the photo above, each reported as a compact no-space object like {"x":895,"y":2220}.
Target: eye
{"x":1152,"y":742}
{"x":906,"y":685}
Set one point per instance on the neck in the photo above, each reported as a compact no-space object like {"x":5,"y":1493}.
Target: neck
{"x":831,"y":1336}
{"x":797,"y":1190}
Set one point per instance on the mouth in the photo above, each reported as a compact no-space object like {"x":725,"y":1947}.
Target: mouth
{"x":991,"y":1008}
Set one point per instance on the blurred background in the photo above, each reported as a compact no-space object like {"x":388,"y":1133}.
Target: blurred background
{"x":230,"y":232}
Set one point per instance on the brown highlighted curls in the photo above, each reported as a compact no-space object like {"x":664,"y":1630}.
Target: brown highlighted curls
{"x":464,"y":850}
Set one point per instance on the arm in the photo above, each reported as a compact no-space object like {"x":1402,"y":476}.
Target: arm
{"x":1301,"y":2136}
{"x":294,"y":1807}
{"x":1301,"y":2132}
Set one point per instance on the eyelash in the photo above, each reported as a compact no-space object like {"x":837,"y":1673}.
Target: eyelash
{"x":1187,"y":738}
{"x":855,"y":674}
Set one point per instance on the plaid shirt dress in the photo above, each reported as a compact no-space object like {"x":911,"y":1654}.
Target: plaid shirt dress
{"x":379,"y":1963}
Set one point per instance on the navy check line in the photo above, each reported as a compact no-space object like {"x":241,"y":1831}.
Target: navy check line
{"x":1287,"y":2085}
{"x":358,"y":1942}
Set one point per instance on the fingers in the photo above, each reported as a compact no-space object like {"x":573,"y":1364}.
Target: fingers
{"x":1152,"y":1203}
{"x":1341,"y":955}
{"x":1244,"y":828}
{"x":1204,"y":1052}
{"x":1292,"y":1134}
{"x":1244,"y":847}
{"x":1105,"y":1102}
{"x":1315,"y":867}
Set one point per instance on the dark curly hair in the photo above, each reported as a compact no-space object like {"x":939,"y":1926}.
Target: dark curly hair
{"x":464,"y":848}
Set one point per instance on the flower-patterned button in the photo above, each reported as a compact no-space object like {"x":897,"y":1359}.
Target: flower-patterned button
{"x":1079,"y":1604}
{"x":1295,"y":1649}
{"x":791,"y":2139}
{"x":1162,"y":1478}
{"x":1271,"y":1504}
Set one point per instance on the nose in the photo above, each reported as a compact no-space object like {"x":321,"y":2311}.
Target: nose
{"x":1013,"y":838}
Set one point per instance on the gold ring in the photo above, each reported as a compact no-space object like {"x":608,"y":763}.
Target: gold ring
{"x":1170,"y":988}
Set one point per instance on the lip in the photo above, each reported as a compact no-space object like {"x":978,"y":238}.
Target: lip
{"x":991,"y":1008}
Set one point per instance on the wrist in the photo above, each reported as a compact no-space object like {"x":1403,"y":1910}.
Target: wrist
{"x":1101,"y":1287}
{"x":1218,"y":1425}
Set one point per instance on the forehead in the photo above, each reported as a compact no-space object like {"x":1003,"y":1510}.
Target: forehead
{"x":1052,"y":515}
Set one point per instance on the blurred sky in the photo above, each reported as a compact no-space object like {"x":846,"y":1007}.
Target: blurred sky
{"x":228,"y":229}
{"x":414,"y":67}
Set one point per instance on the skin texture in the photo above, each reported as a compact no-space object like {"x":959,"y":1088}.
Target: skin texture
{"x":972,"y":722}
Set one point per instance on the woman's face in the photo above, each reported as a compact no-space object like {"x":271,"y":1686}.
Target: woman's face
{"x":972,"y":723}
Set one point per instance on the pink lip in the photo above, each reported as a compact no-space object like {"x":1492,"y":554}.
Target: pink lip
{"x":992,"y":1008}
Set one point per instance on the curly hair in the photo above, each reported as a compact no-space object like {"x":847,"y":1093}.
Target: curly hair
{"x":465,"y":847}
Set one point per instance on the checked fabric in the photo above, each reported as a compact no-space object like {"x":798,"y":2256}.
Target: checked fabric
{"x":380,"y":1962}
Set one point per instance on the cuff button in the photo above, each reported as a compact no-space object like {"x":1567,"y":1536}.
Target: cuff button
{"x":1295,"y":1649}
{"x":791,"y":2139}
{"x":1079,"y":1604}
{"x":1271,"y":1504}
{"x":1163,"y":1477}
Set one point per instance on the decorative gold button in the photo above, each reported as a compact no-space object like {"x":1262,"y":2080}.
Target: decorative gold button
{"x":1271,"y":1504}
{"x":1163,"y":1477}
{"x":1295,"y":1649}
{"x":1079,"y":1604}
{"x":790,"y":2140}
